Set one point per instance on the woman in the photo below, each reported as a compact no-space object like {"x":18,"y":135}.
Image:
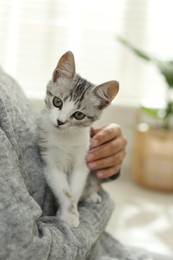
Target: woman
{"x":29,"y":228}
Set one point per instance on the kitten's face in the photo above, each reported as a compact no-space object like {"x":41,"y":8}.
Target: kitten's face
{"x":72,"y":104}
{"x":73,"y":101}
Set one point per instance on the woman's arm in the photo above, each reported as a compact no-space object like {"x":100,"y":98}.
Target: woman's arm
{"x":25,"y":234}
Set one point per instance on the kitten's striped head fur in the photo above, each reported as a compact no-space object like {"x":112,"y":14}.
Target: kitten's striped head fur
{"x":71,"y":100}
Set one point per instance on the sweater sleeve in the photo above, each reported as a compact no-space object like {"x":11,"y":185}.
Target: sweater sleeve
{"x":25,"y":234}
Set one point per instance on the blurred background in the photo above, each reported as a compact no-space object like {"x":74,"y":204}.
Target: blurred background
{"x":33,"y":36}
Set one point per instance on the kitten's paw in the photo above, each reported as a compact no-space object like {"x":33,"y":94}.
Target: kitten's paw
{"x":70,"y":219}
{"x":94,"y":197}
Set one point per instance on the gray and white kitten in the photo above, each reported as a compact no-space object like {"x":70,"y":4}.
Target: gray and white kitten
{"x":72,"y":105}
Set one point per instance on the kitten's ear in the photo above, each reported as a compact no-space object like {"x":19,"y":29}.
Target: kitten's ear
{"x":106,"y":92}
{"x":65,"y":67}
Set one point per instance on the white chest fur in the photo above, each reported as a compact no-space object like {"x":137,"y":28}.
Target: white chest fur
{"x":66,"y":171}
{"x":67,"y":147}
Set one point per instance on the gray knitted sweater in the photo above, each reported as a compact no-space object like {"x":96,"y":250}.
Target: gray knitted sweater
{"x":28,"y":226}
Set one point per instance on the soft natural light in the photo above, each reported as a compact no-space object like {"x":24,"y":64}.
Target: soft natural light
{"x":34,"y":34}
{"x":12,"y":38}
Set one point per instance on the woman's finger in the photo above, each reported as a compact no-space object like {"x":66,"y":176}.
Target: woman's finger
{"x":107,"y":162}
{"x":108,"y":172}
{"x":105,"y":135}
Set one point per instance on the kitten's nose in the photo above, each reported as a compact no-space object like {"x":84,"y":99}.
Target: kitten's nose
{"x":60,"y":122}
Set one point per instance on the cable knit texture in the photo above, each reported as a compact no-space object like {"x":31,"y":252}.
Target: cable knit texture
{"x":28,"y":226}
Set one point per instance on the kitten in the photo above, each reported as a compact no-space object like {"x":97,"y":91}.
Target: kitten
{"x":72,"y":105}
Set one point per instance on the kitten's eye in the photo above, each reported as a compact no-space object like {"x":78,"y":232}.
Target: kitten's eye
{"x":57,"y":102}
{"x":79,"y":115}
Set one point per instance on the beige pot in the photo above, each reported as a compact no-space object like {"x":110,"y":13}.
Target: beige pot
{"x":152,"y":159}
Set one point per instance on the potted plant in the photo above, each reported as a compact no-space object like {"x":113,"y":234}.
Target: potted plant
{"x":152,"y":160}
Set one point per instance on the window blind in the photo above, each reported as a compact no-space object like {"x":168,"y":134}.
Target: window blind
{"x":35,"y":33}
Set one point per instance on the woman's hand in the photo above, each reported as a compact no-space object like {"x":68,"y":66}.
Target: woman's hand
{"x":107,"y":150}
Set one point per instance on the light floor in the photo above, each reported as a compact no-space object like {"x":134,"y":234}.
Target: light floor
{"x":142,"y":217}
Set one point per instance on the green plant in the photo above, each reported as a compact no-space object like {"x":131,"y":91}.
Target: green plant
{"x":166,"y":69}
